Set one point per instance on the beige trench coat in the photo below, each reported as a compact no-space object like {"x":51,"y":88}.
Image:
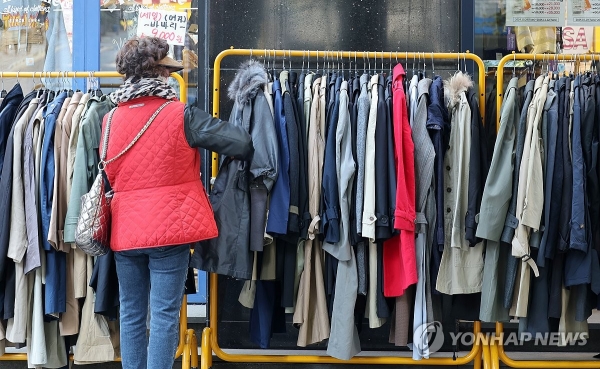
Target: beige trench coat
{"x":530,"y":198}
{"x":461,"y":268}
{"x":311,"y":308}
{"x":98,"y":339}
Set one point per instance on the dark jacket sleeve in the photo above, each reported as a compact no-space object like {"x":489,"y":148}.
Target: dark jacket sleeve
{"x":477,"y":171}
{"x":203,"y":130}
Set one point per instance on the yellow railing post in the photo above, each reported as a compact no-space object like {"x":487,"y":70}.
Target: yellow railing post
{"x":206,"y":353}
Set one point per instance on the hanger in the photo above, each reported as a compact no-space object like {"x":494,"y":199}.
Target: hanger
{"x":341,"y":65}
{"x":273,"y":70}
{"x":76,"y":85}
{"x":267,"y":58}
{"x":41,"y":84}
{"x":269,"y":68}
{"x":413,"y":65}
{"x":3,"y":93}
{"x":63,"y":81}
{"x":89,"y":81}
{"x":424,"y":67}
{"x":70,"y":91}
{"x":342,"y":70}
{"x":364,"y":63}
{"x":514,"y":73}
{"x":432,"y":66}
{"x":350,"y":76}
{"x":97,"y":91}
{"x":317,"y":62}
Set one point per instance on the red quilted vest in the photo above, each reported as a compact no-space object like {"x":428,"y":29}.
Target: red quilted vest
{"x":159,"y":199}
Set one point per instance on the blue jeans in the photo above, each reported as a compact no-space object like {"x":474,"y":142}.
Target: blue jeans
{"x":155,"y":276}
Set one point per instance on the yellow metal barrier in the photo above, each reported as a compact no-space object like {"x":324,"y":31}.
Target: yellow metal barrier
{"x":183,"y":346}
{"x":497,"y":353}
{"x":210,"y":343}
{"x":576,"y":58}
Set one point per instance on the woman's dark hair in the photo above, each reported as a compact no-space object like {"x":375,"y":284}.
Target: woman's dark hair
{"x":139,"y":58}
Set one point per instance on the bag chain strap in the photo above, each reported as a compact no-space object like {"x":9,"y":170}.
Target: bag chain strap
{"x":103,"y":162}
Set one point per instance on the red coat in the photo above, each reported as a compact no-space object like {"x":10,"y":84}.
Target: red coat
{"x":399,"y":256}
{"x":159,"y":199}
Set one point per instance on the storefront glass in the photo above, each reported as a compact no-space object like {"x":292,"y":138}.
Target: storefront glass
{"x":497,"y":35}
{"x":120,"y":21}
{"x":36,"y":36}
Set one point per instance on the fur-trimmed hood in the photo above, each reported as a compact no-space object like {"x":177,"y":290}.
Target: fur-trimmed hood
{"x":454,"y":86}
{"x":248,"y":80}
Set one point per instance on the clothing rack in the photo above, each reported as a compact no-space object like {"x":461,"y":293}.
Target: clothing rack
{"x":496,"y":349}
{"x":575,"y":58}
{"x":210,"y":343}
{"x":187,"y":347}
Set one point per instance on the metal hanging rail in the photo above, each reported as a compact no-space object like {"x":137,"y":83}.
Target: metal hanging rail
{"x":210,"y":343}
{"x":187,"y":337}
{"x":577,"y":58}
{"x":497,"y":353}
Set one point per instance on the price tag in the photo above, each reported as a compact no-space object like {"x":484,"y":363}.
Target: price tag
{"x":535,"y":12}
{"x":583,"y":12}
{"x":168,"y":25}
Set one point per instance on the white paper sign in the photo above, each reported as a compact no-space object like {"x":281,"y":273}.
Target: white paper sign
{"x":168,"y":25}
{"x":535,"y":12}
{"x":583,"y":12}
{"x":577,"y":39}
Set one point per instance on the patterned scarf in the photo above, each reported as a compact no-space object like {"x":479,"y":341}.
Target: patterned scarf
{"x":142,"y":87}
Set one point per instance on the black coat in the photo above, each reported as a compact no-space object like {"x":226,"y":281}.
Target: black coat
{"x":384,"y":183}
{"x":330,"y":221}
{"x":293,"y":135}
{"x":478,"y":168}
{"x":8,"y":112}
{"x":241,"y":187}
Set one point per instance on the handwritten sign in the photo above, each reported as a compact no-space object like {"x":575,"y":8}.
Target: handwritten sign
{"x":535,"y":12}
{"x":168,"y":25}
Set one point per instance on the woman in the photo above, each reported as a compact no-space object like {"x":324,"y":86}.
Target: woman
{"x":159,"y":206}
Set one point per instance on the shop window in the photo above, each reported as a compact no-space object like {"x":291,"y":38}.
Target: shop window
{"x":497,"y":36}
{"x":119,"y":22}
{"x":36,"y":36}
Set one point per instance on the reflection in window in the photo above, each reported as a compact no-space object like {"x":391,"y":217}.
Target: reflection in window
{"x":36,"y":36}
{"x":118,"y":23}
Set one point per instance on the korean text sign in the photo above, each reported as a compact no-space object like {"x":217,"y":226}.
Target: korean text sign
{"x":168,"y":25}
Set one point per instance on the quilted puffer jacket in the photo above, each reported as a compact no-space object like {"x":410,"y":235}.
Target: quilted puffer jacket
{"x":159,"y":198}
